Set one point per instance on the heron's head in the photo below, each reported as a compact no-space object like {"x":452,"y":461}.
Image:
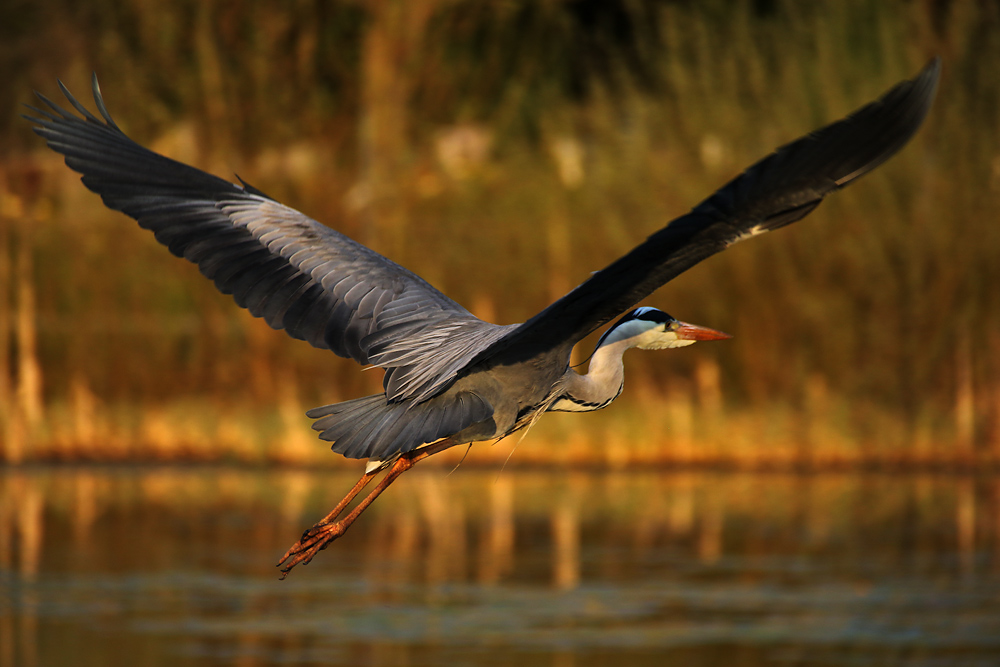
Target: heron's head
{"x":652,"y":329}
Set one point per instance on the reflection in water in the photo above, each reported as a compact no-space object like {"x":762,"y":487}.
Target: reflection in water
{"x":566,"y":544}
{"x":965,"y":521}
{"x":496,"y":553}
{"x":21,"y":540}
{"x":541,"y":568}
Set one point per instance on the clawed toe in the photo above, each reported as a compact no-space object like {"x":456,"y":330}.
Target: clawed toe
{"x":320,"y":535}
{"x":312,"y":542}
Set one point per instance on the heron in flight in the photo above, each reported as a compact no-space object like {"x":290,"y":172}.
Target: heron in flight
{"x":451,"y":378}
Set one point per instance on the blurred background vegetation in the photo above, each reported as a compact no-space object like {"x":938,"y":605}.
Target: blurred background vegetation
{"x":504,"y":150}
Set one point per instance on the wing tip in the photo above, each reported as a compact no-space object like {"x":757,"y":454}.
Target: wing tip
{"x":904,"y":107}
{"x":56,"y":115}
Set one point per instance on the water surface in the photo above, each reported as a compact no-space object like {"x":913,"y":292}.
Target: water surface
{"x":157,"y":566}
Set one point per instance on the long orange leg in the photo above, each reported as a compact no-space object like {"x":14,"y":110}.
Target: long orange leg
{"x":336,"y":511}
{"x":327,"y":530}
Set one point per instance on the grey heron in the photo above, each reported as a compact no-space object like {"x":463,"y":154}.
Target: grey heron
{"x":449,"y":377}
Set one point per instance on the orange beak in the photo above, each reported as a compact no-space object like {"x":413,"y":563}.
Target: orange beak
{"x":687,"y":331}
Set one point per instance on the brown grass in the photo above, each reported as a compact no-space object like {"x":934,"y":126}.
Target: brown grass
{"x":866,"y":335}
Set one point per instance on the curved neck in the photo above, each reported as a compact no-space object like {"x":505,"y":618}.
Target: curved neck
{"x":603,"y":382}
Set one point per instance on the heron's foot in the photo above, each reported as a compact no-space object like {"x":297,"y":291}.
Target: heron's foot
{"x":311,"y":543}
{"x":319,"y":536}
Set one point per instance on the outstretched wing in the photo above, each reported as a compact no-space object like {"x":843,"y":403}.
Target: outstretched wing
{"x":299,"y":275}
{"x":776,"y":191}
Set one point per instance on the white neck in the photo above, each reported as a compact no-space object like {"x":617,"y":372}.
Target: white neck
{"x":603,"y":382}
{"x":606,"y":375}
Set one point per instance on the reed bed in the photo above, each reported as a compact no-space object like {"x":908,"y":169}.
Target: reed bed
{"x":865,"y":335}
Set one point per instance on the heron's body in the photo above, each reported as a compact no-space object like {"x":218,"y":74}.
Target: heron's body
{"x":451,"y":378}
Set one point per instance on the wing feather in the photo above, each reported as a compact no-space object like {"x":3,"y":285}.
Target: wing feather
{"x":322,"y":287}
{"x":783,"y":187}
{"x":300,"y":276}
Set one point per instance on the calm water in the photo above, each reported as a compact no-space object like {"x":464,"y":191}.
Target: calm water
{"x":176,"y":566}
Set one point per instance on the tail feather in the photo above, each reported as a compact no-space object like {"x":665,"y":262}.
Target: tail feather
{"x":368,"y":441}
{"x":332,"y":416}
{"x":373,"y":428}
